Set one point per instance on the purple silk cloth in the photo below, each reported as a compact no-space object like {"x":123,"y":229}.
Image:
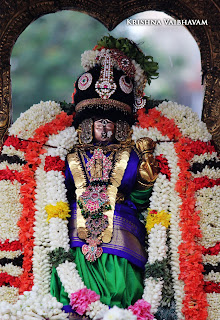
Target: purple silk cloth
{"x":129,"y":233}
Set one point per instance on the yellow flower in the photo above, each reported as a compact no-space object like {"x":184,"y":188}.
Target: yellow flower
{"x":155,"y":217}
{"x":60,"y":210}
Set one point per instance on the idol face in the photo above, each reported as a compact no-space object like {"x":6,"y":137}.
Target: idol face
{"x":104,"y":130}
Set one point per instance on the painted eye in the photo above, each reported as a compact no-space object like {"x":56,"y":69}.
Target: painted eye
{"x":125,"y":84}
{"x":85,"y":81}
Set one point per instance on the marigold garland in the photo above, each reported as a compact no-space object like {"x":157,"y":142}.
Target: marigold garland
{"x":60,"y":210}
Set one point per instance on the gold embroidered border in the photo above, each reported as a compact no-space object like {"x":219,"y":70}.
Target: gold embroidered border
{"x":115,"y":181}
{"x":104,"y":103}
{"x":80,"y":183}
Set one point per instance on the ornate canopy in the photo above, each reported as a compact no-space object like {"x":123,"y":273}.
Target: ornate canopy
{"x":16,"y":15}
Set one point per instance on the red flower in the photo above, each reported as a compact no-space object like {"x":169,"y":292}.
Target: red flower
{"x":211,"y":287}
{"x":54,"y":163}
{"x":163,"y":164}
{"x":212,"y":250}
{"x":153,"y":212}
{"x":191,"y":268}
{"x":10,"y":246}
{"x":6,"y":279}
{"x":154,"y":118}
{"x":7,"y":174}
{"x":205,"y":182}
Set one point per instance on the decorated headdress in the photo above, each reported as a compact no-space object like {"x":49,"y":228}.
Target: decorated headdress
{"x":116,"y":72}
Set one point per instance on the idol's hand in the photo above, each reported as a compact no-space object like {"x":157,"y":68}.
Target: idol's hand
{"x":148,"y":168}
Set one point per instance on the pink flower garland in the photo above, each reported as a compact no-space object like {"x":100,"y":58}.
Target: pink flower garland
{"x":141,"y":309}
{"x":81,"y":299}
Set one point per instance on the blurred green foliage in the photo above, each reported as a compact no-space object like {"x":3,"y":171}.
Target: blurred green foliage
{"x":46,"y":58}
{"x":45,"y":61}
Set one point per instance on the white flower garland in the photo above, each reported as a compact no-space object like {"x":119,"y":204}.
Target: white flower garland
{"x":10,"y":209}
{"x":11,"y":166}
{"x":11,"y":151}
{"x":38,"y":115}
{"x":41,"y":266}
{"x":12,"y":270}
{"x":213,"y":300}
{"x":208,"y":202}
{"x":212,"y":276}
{"x":9,"y":294}
{"x":186,"y":120}
{"x":157,"y":247}
{"x":152,"y":133}
{"x":163,"y":192}
{"x":32,"y":306}
{"x":211,"y":259}
{"x":169,"y":152}
{"x":153,"y":292}
{"x":10,"y":254}
{"x":205,"y":156}
{"x":58,"y":234}
{"x":211,"y":173}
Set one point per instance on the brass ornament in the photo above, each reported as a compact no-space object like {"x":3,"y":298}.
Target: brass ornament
{"x":148,"y":168}
{"x":122,"y":131}
{"x":85,"y":131}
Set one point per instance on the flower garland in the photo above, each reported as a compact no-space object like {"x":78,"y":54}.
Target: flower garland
{"x":169,"y":195}
{"x":205,"y":170}
{"x":163,"y":192}
{"x":32,"y":152}
{"x":10,"y":246}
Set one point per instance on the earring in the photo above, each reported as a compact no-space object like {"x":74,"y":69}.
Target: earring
{"x":85,"y":131}
{"x":122,"y":131}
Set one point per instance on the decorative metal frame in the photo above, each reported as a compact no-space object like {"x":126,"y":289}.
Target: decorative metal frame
{"x":16,"y":15}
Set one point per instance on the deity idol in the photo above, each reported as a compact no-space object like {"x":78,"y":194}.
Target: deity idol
{"x":108,"y":177}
